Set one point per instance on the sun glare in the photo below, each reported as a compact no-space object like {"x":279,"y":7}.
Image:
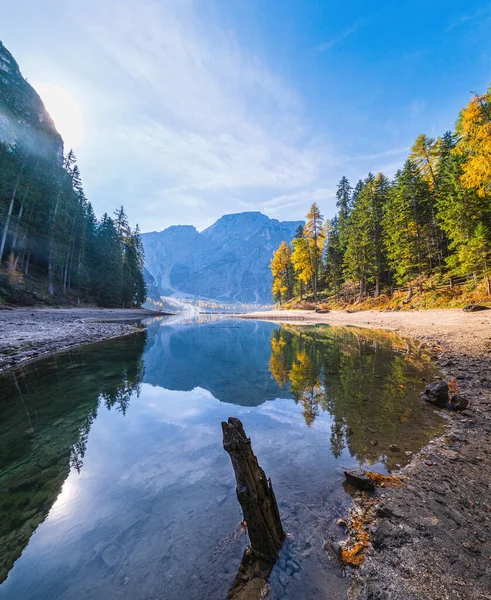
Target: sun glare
{"x":65,"y":112}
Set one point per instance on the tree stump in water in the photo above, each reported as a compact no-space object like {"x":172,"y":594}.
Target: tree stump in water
{"x":254,"y":491}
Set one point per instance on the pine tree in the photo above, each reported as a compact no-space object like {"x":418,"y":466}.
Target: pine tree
{"x":379,"y":198}
{"x":333,"y":257}
{"x":359,"y":259}
{"x":405,"y":227}
{"x":343,"y":204}
{"x":109,"y":279}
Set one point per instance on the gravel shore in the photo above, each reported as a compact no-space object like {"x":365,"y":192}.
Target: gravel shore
{"x":28,"y":333}
{"x":432,"y":538}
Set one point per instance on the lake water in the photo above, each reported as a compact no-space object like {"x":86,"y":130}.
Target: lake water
{"x":114,"y":483}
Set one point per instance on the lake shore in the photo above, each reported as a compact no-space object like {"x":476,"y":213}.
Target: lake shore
{"x":432,"y":537}
{"x":29,"y":333}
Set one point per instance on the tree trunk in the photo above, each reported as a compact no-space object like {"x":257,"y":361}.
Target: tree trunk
{"x":377,"y":287}
{"x":9,"y":215}
{"x":488,"y":284}
{"x":254,"y":491}
{"x":51,"y":286}
{"x":12,"y":260}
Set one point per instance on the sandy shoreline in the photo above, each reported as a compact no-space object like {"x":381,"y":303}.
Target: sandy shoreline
{"x":453,"y":327}
{"x":432,"y":538}
{"x":29,"y":333}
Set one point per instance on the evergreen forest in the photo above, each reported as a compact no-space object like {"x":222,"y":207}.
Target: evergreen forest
{"x":430,"y":224}
{"x":53,"y":248}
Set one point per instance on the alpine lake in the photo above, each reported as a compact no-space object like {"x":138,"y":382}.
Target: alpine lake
{"x":114,"y":483}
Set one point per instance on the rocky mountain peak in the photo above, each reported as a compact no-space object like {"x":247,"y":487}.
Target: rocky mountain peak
{"x":23,"y":116}
{"x":228,"y":261}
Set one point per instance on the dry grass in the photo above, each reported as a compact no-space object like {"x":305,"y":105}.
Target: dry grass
{"x":385,"y":480}
{"x":456,"y":297}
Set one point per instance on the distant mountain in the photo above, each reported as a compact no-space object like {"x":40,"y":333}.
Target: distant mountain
{"x":228,"y":262}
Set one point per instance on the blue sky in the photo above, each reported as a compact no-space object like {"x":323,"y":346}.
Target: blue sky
{"x":184,"y":110}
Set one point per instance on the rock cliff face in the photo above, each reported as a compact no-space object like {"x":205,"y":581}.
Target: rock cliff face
{"x":23,"y":117}
{"x":228,"y":262}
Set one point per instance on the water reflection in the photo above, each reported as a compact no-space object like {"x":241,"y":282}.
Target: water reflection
{"x":227,"y":358}
{"x":113,"y":455}
{"x":45,"y":422}
{"x":368,"y":381}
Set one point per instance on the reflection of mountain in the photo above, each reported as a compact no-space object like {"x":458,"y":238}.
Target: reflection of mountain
{"x":47,"y":410}
{"x":369,"y":382}
{"x":227,"y":358}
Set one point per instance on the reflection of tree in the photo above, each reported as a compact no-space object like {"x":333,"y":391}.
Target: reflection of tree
{"x":47,"y":412}
{"x":367,"y":381}
{"x":305,"y":384}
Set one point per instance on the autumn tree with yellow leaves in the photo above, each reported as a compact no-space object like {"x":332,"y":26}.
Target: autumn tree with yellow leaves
{"x":474,"y":129}
{"x":307,"y":250}
{"x":282,"y":270}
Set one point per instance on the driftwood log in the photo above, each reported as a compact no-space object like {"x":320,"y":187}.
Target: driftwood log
{"x":254,"y":492}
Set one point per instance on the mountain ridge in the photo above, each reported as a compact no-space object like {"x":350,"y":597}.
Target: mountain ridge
{"x":227,"y":261}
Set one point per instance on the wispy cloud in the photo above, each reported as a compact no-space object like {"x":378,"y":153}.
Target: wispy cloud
{"x":325,"y":46}
{"x":465,"y":18}
{"x":393,"y":152}
{"x":323,"y":196}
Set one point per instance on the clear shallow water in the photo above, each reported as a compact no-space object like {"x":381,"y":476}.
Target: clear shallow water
{"x":113,"y":479}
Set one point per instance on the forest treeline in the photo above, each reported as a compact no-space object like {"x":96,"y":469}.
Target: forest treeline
{"x":432,"y":220}
{"x":50,"y":235}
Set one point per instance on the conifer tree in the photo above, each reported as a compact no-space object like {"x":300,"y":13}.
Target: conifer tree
{"x":406,"y":225}
{"x":474,"y":130}
{"x":359,"y":259}
{"x":343,"y":204}
{"x":282,"y":271}
{"x":314,"y":235}
{"x":333,"y":256}
{"x":109,"y":279}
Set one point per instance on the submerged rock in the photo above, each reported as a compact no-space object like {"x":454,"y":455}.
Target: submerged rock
{"x":436,"y":393}
{"x":359,"y":479}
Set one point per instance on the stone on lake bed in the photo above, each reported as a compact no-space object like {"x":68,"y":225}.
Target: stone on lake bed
{"x":458,"y":402}
{"x":359,"y":479}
